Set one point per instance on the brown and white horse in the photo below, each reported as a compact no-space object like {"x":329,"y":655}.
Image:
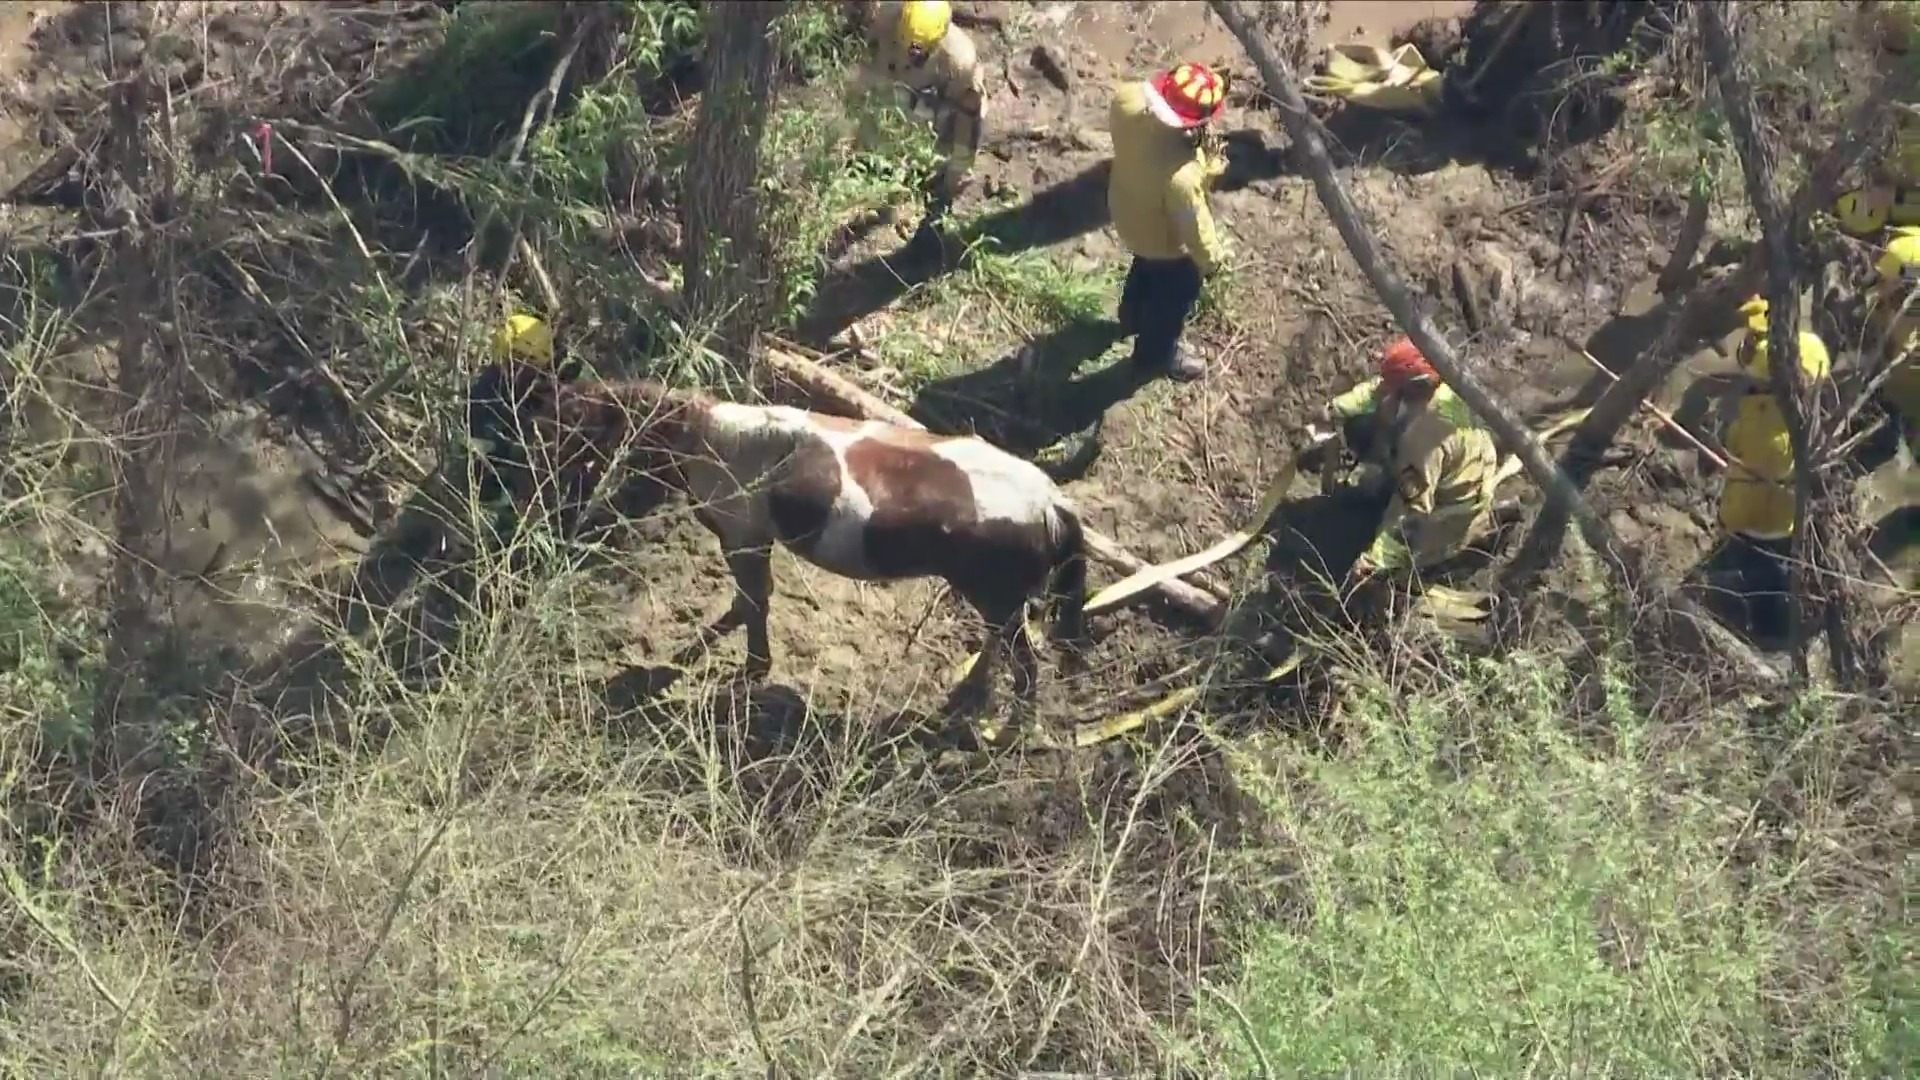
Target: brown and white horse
{"x":863,"y":499}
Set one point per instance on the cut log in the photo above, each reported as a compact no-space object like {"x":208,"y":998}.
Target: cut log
{"x":826,"y":391}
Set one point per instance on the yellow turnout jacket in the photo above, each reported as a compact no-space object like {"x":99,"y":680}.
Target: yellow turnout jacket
{"x":946,"y":87}
{"x":1157,"y":191}
{"x":1757,"y":499}
{"x":1900,"y":335}
{"x":1444,"y":475}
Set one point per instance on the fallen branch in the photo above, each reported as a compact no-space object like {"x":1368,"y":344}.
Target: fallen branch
{"x":1309,"y":145}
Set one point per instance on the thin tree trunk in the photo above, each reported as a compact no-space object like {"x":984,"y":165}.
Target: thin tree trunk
{"x":1692,"y":231}
{"x":1704,"y":309}
{"x":1783,"y":236}
{"x":1310,"y":149}
{"x":136,"y":493}
{"x":726,"y":261}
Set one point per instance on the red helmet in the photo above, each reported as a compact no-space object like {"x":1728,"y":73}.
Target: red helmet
{"x":1186,"y":96}
{"x":1401,"y":363}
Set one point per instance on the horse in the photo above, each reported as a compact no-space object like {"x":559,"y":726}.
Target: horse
{"x":866,"y":500}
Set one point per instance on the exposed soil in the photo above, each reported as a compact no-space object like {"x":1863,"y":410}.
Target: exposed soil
{"x":273,"y":503}
{"x":1178,"y":466}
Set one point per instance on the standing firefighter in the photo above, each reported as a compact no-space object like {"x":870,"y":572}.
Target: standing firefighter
{"x":1157,"y":193}
{"x":920,"y":53}
{"x":1757,"y":501}
{"x":1442,"y":465}
{"x":1897,"y":329}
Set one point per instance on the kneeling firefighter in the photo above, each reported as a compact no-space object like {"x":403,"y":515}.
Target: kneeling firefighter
{"x":1757,"y":499}
{"x":1413,"y":432}
{"x":934,"y":66}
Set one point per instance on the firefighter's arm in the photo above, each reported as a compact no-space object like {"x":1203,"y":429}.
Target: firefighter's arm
{"x":1355,"y":402}
{"x":1192,"y":221}
{"x":1412,"y":502}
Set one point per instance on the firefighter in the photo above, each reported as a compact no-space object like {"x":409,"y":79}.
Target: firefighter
{"x":934,"y":65}
{"x":1897,"y":330}
{"x":1422,"y":439}
{"x":1757,"y":499}
{"x":1157,"y":193}
{"x":524,"y":337}
{"x":1893,"y":195}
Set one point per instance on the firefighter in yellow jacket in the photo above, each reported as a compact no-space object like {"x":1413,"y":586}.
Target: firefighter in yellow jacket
{"x":1443,"y":465}
{"x":1896,"y":329}
{"x":934,"y":64}
{"x":1757,"y":500}
{"x":1157,"y":193}
{"x":526,"y":338}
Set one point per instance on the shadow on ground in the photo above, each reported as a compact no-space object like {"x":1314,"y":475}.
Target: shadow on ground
{"x":1071,"y":208}
{"x":1034,"y":396}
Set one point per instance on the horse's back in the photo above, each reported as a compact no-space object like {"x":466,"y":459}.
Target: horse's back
{"x":1005,"y":487}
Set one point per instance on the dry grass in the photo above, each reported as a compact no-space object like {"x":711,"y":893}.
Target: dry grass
{"x":461,"y":832}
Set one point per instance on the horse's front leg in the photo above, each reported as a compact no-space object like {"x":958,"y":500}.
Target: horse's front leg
{"x":753,"y":591}
{"x":1026,"y":673}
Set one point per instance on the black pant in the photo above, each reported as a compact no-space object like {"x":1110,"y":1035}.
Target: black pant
{"x":1766,"y":579}
{"x":1155,"y":304}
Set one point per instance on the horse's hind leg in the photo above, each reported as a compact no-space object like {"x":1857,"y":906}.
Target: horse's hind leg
{"x":1006,"y":630}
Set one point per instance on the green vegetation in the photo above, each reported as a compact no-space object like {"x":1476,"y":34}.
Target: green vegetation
{"x":504,"y":850}
{"x":1486,"y":891}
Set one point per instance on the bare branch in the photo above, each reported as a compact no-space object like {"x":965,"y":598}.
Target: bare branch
{"x":1310,"y":146}
{"x":1782,"y":236}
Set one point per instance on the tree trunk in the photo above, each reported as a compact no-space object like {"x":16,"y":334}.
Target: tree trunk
{"x":139,"y":459}
{"x":1702,"y":312}
{"x":726,"y":261}
{"x":1817,"y":510}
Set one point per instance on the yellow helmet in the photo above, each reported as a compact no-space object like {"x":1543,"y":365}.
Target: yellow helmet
{"x":1814,"y":362}
{"x":923,"y":23}
{"x":1755,"y":310}
{"x":524,"y":337}
{"x":1864,"y":212}
{"x":1901,"y":259}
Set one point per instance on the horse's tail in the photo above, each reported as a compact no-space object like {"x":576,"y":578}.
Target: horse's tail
{"x":1067,"y":583}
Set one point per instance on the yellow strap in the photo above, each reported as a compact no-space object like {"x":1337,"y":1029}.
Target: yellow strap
{"x":1142,"y":580}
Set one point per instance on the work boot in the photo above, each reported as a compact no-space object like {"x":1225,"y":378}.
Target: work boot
{"x":1186,"y":367}
{"x":1182,"y":366}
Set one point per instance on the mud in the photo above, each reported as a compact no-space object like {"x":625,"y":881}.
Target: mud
{"x":1176,"y":466}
